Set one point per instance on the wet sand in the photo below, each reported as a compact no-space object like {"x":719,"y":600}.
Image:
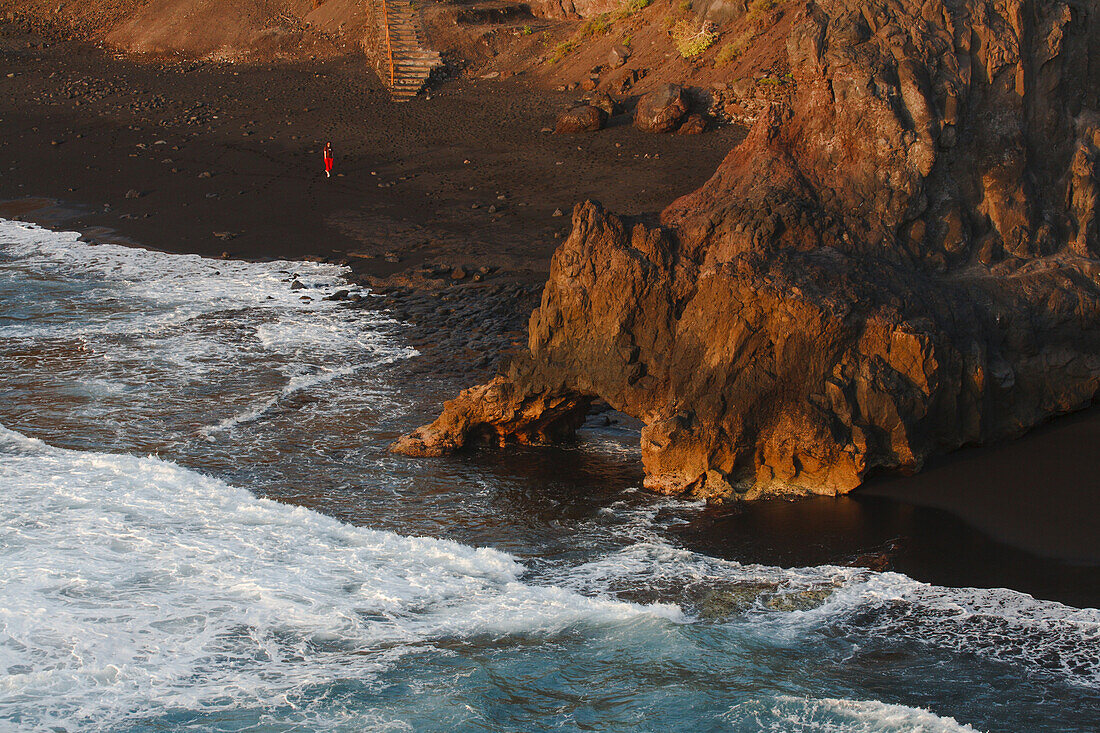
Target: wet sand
{"x":932,"y":545}
{"x":1039,"y":493}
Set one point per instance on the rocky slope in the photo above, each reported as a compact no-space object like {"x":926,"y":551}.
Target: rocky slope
{"x":899,"y":260}
{"x":246,"y":30}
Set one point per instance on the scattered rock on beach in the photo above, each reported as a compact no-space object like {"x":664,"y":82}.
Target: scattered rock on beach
{"x":585,"y":118}
{"x":694,"y":124}
{"x":661,"y":110}
{"x":604,"y":101}
{"x":466,"y":328}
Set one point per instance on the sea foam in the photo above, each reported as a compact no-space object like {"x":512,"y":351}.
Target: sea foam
{"x":1046,"y":640}
{"x":159,"y":349}
{"x":132,"y":585}
{"x":789,"y":714}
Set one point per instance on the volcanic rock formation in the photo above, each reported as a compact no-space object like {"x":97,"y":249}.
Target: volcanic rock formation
{"x":901,"y":261}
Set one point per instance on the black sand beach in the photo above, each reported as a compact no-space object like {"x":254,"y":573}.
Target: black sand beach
{"x":225,"y":161}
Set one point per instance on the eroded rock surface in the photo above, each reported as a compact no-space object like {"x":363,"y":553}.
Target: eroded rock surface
{"x":585,"y":118}
{"x":899,"y":262}
{"x":661,"y":110}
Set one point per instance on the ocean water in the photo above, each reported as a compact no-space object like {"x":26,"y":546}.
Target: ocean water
{"x":200,"y":529}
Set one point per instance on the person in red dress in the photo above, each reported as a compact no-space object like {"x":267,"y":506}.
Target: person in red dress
{"x":328,"y":160}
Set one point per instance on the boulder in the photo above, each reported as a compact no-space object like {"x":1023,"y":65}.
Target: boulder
{"x":661,"y":110}
{"x":585,"y":118}
{"x":721,"y":12}
{"x":618,"y":56}
{"x":604,"y":101}
{"x":694,"y":124}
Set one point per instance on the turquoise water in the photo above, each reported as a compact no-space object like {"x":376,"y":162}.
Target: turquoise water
{"x":200,"y":530}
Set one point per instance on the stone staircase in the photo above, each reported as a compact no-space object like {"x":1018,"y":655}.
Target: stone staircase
{"x":408,"y":63}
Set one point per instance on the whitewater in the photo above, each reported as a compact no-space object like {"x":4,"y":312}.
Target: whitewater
{"x":200,"y":529}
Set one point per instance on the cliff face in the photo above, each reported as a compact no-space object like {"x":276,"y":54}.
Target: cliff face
{"x":574,"y":8}
{"x":900,"y":261}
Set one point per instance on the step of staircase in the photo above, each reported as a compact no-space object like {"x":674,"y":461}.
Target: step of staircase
{"x":412,"y":63}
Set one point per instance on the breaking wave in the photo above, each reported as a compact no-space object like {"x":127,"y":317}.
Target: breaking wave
{"x":132,"y":584}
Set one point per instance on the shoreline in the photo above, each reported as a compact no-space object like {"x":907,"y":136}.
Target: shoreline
{"x":430,"y":209}
{"x":214,"y":158}
{"x":484,"y":321}
{"x":936,"y":526}
{"x":429,"y":200}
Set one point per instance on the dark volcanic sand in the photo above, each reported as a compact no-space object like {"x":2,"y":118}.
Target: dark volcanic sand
{"x":223,"y":159}
{"x":81,"y":126}
{"x":80,"y":130}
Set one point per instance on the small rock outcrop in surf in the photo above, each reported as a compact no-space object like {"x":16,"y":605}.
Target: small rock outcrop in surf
{"x":900,"y":261}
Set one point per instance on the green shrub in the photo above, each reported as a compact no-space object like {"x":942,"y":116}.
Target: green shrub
{"x":629,"y":8}
{"x":691,"y":40}
{"x":562,"y":50}
{"x":598,"y":26}
{"x":760,"y":7}
{"x":727,"y":54}
{"x":527,"y":30}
